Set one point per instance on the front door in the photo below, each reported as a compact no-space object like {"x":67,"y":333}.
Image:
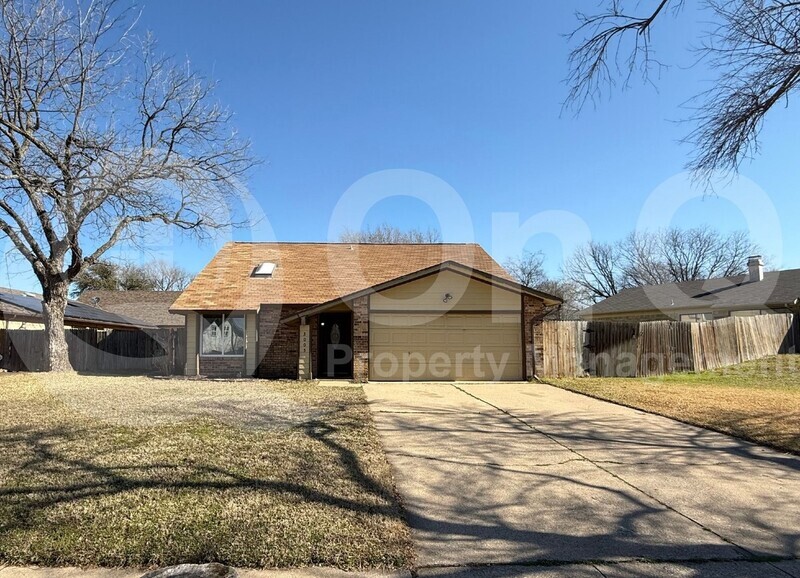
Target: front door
{"x":335,"y":345}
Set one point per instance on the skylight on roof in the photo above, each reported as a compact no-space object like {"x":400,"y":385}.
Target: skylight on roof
{"x":265,"y":269}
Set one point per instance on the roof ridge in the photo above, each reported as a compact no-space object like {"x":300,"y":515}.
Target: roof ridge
{"x":344,"y":243}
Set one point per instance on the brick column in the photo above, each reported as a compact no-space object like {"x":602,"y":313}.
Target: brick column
{"x":532,"y":318}
{"x":361,"y":339}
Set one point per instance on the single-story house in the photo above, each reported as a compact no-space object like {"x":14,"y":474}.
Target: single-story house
{"x":152,"y":307}
{"x":23,"y":310}
{"x":395,"y":312}
{"x":754,"y":293}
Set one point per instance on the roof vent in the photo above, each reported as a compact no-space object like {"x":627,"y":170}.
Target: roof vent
{"x":264,"y":270}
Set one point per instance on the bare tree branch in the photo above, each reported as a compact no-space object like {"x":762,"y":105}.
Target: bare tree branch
{"x":600,"y":270}
{"x":386,"y":233}
{"x":753,"y":46}
{"x":615,"y":44}
{"x":756,"y":48}
{"x":99,"y":136}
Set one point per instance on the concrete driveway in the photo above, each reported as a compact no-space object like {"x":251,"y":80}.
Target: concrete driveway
{"x":530,"y":480}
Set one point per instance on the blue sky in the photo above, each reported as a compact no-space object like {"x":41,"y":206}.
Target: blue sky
{"x":469,"y":91}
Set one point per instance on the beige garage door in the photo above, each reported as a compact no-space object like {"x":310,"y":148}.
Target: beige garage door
{"x":452,"y":346}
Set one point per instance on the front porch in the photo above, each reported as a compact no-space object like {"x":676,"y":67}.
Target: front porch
{"x":332,"y":343}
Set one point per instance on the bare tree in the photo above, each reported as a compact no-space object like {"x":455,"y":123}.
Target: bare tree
{"x":600,"y":270}
{"x":569,"y":294}
{"x":109,"y":276}
{"x":640,"y":259}
{"x":597,"y":271}
{"x":166,"y":276}
{"x":528,"y":269}
{"x":753,"y":47}
{"x":98,"y":136}
{"x":386,"y":233}
{"x":703,"y":253}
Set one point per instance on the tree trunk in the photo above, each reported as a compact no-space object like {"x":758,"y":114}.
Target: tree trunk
{"x":55,"y":342}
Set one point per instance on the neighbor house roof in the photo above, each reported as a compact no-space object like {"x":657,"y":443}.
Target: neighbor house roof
{"x":777,"y":289}
{"x":311,"y":273}
{"x":28,"y":306}
{"x":149,"y":306}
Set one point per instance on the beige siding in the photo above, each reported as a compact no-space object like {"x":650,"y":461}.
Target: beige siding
{"x":251,"y":343}
{"x":428,"y":295}
{"x":452,"y":346}
{"x":8,"y":324}
{"x":191,"y":343}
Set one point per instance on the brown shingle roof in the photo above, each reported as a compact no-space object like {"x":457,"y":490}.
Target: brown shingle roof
{"x":149,"y":306}
{"x":310,"y":273}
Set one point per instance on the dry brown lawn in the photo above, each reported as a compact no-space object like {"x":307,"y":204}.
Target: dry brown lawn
{"x":131,"y":471}
{"x":758,"y":401}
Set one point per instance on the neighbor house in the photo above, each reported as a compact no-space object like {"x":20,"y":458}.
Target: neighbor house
{"x":754,"y":293}
{"x":361,"y":311}
{"x":23,"y":310}
{"x":151,"y":307}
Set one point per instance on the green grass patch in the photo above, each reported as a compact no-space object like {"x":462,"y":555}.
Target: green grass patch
{"x":129,"y":471}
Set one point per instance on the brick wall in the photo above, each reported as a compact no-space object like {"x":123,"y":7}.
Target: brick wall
{"x":279,"y":343}
{"x":533,"y":310}
{"x":361,"y":339}
{"x":222,"y":366}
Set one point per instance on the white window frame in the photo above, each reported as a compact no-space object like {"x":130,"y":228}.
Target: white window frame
{"x":224,"y":316}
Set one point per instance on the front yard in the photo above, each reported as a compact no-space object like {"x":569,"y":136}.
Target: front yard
{"x":130,"y":471}
{"x":759,"y":400}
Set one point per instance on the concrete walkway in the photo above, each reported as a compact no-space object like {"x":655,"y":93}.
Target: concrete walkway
{"x":31,"y":572}
{"x":530,"y":480}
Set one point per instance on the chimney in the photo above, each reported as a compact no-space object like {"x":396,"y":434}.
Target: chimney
{"x":756,"y":267}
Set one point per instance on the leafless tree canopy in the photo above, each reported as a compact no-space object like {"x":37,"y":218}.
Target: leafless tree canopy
{"x":99,"y":135}
{"x":753,"y":46}
{"x":596,"y":270}
{"x":166,"y":276}
{"x":528,"y":269}
{"x":600,"y":270}
{"x":153,"y":276}
{"x":386,"y":233}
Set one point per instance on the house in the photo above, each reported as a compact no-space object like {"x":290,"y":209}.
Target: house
{"x":754,"y":293}
{"x":151,"y":307}
{"x":361,"y":311}
{"x":23,"y":310}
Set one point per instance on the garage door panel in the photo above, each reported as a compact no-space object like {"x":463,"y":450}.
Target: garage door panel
{"x":420,"y":347}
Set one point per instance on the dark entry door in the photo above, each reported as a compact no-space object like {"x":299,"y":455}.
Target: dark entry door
{"x":335,"y":345}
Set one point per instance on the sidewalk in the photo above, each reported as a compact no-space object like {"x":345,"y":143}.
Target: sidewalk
{"x":18,"y":572}
{"x":729,"y":569}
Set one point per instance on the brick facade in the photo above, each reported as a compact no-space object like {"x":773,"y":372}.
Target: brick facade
{"x":220,"y":366}
{"x":279,"y":343}
{"x":360,"y":308}
{"x":533,"y":311}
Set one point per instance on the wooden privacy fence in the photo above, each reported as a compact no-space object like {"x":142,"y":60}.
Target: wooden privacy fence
{"x":161,"y":351}
{"x":640,"y":349}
